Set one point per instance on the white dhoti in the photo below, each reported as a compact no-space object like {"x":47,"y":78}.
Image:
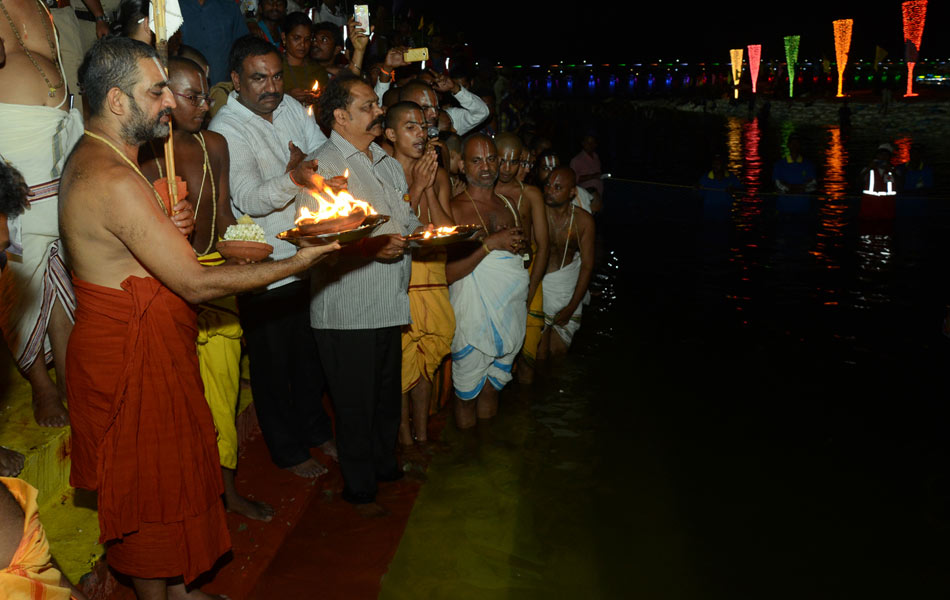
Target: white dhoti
{"x":36,"y":140}
{"x":558,"y":290}
{"x":490,"y":305}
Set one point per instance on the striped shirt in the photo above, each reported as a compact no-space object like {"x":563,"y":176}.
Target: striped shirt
{"x":352,"y":291}
{"x":259,"y":153}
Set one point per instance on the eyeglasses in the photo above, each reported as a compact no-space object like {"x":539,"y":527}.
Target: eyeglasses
{"x":196,"y":100}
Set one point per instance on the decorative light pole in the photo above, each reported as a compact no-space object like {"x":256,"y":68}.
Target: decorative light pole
{"x":842,"y":47}
{"x":736,"y":56}
{"x":915,"y":12}
{"x":755,"y":54}
{"x":791,"y":58}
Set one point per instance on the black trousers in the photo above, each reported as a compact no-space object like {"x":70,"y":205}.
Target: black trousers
{"x":286,"y":376}
{"x":364,"y":371}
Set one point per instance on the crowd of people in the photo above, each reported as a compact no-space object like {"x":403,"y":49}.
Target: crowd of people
{"x":118,"y":281}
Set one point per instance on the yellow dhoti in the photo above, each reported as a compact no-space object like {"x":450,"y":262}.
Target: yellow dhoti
{"x":532,"y":336}
{"x":428,"y":339}
{"x":31,"y":574}
{"x":219,"y":357}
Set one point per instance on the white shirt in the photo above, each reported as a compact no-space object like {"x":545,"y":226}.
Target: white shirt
{"x":328,"y":16}
{"x":471,"y":112}
{"x":259,"y":152}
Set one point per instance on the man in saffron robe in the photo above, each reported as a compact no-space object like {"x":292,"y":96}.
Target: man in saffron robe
{"x":143,"y":436}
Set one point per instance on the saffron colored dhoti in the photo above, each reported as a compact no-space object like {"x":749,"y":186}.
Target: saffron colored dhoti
{"x":30,"y":574}
{"x":219,"y":357}
{"x":142,"y":434}
{"x":535,"y":323}
{"x":428,"y":339}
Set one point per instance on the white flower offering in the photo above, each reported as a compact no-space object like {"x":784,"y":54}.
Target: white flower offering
{"x":246,"y":230}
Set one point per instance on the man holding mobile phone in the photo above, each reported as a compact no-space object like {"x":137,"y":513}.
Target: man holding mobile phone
{"x":465,"y":117}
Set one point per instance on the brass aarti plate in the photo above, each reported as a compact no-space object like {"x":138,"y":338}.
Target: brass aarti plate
{"x":462,"y":233}
{"x":301,"y":239}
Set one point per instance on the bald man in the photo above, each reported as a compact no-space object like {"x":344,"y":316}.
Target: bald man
{"x":530,"y":205}
{"x":570,"y":266}
{"x":470,"y":112}
{"x":488,"y":287}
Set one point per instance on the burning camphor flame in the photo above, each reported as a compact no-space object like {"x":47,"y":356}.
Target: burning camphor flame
{"x":439,"y":232}
{"x":331,"y":205}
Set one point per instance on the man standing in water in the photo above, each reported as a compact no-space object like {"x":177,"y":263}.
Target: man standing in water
{"x":147,"y":446}
{"x":565,"y":283}
{"x":488,"y":287}
{"x":530,"y":205}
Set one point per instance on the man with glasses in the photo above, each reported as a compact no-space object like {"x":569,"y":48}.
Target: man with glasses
{"x":269,"y":134}
{"x":201,"y":159}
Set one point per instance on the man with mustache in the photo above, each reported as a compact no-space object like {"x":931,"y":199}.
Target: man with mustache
{"x":142,"y":434}
{"x":360,"y":302}
{"x":488,"y":287}
{"x":269,"y":134}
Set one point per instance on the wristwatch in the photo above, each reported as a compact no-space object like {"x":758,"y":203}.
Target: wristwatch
{"x":103,"y":19}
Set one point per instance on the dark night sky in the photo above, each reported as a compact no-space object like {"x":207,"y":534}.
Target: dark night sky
{"x":530,"y":32}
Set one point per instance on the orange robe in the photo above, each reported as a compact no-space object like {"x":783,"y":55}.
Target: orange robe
{"x":142,"y":433}
{"x":30,"y":574}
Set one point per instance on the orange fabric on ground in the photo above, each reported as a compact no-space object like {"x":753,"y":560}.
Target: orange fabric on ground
{"x":142,"y":433}
{"x":31,"y":574}
{"x":428,"y":339}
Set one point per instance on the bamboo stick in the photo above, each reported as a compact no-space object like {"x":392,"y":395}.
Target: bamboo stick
{"x":161,"y":46}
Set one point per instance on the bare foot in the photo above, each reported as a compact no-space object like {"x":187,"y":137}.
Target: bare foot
{"x":252,"y":509}
{"x":431,"y":447}
{"x":371,"y":510}
{"x":412,"y":453}
{"x":11,"y":462}
{"x":329,"y":448}
{"x":48,"y":408}
{"x":196,"y":594}
{"x":309,"y":469}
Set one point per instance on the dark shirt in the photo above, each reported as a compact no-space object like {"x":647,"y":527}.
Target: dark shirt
{"x":212,"y":29}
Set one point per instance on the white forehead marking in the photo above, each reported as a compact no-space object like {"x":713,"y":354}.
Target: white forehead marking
{"x":161,"y":69}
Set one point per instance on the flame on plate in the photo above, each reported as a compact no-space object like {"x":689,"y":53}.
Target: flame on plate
{"x":331,"y":205}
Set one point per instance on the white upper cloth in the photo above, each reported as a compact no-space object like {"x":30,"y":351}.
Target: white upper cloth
{"x":259,"y":151}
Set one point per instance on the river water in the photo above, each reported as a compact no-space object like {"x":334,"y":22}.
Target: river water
{"x":754,"y":407}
